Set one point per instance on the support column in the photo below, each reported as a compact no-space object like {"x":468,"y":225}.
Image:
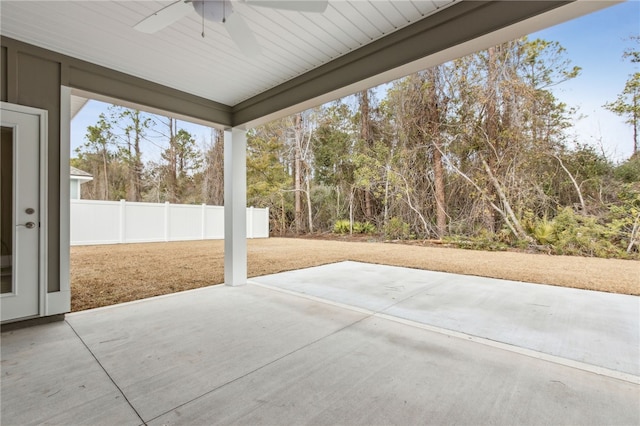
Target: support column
{"x":235,"y":207}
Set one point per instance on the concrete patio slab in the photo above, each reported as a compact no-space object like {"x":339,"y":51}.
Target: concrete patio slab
{"x":49,"y":376}
{"x":380,"y":372}
{"x":165,"y":352}
{"x":365,"y":285}
{"x":601,"y":329}
{"x":288,"y":350}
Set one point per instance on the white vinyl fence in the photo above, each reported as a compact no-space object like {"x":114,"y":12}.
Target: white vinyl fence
{"x":114,"y":222}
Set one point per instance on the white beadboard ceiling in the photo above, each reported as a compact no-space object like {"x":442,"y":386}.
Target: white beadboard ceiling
{"x":178,"y":56}
{"x":293,"y":43}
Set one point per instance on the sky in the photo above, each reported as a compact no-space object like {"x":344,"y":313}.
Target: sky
{"x":89,"y":115}
{"x":593,"y":42}
{"x":596,"y":43}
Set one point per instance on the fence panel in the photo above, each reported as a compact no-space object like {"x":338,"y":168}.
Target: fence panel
{"x":185,"y":223}
{"x":214,"y":223}
{"x":95,"y":222}
{"x":259,"y":227}
{"x":113,"y":222}
{"x":144,"y":222}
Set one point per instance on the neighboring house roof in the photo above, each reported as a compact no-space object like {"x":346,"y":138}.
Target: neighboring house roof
{"x":78,"y":172}
{"x":80,"y":175}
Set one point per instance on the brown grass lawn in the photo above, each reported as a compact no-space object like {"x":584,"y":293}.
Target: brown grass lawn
{"x":109,"y":274}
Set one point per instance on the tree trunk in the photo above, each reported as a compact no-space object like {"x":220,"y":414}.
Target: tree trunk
{"x":213,"y":183}
{"x":131,"y":185}
{"x":297,"y":180}
{"x":491,"y":127}
{"x":351,"y":211}
{"x":365,"y":135}
{"x":172,"y":184}
{"x":105,"y":172}
{"x":136,"y":167}
{"x":438,"y":172}
{"x":433,"y":128}
{"x":310,"y":212}
{"x":386,"y":194}
{"x":337,"y":201}
{"x":283,"y":215}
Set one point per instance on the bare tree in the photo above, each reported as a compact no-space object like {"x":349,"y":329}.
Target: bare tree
{"x":213,"y":179}
{"x":366,"y":136}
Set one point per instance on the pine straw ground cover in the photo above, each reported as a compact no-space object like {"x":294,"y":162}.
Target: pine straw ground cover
{"x":109,"y":274}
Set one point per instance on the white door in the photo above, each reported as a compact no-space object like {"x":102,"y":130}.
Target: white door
{"x":20,"y":214}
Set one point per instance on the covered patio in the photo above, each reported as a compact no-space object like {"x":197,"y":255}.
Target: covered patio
{"x":54,"y":55}
{"x":346,"y":343}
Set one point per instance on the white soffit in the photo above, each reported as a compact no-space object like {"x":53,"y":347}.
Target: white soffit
{"x":77,"y":103}
{"x":178,"y":56}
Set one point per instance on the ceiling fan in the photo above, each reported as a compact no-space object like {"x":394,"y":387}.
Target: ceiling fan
{"x":222,"y":11}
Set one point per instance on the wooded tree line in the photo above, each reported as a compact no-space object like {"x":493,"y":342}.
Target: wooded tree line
{"x":475,"y":152}
{"x":186,"y":171}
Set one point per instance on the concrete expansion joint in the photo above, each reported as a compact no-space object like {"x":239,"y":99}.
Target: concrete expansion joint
{"x":602,"y":371}
{"x":257,"y":369}
{"x":106,"y":372}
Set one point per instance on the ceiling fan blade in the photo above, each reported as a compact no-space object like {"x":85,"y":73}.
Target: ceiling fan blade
{"x":314,"y":6}
{"x":242,"y":35}
{"x":164,"y":17}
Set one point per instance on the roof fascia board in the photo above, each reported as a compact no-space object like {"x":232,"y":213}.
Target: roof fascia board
{"x":455,"y":25}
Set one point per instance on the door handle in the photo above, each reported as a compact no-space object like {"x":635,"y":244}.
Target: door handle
{"x":28,"y":225}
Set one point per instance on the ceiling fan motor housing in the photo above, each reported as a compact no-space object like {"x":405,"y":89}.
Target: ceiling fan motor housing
{"x":213,"y":10}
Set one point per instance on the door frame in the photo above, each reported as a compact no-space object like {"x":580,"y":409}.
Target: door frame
{"x":43,"y":120}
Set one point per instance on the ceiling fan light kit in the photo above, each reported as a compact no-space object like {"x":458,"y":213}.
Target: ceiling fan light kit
{"x":221,"y":11}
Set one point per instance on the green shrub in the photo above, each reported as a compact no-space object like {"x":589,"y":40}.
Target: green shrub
{"x":544,"y":232}
{"x":364,"y":228}
{"x":396,"y":229}
{"x":623,"y":218}
{"x":629,"y":171}
{"x":573,"y":234}
{"x":342,"y":226}
{"x":485,"y":240}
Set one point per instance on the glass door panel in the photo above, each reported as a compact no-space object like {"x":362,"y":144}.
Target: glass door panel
{"x":6,"y":210}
